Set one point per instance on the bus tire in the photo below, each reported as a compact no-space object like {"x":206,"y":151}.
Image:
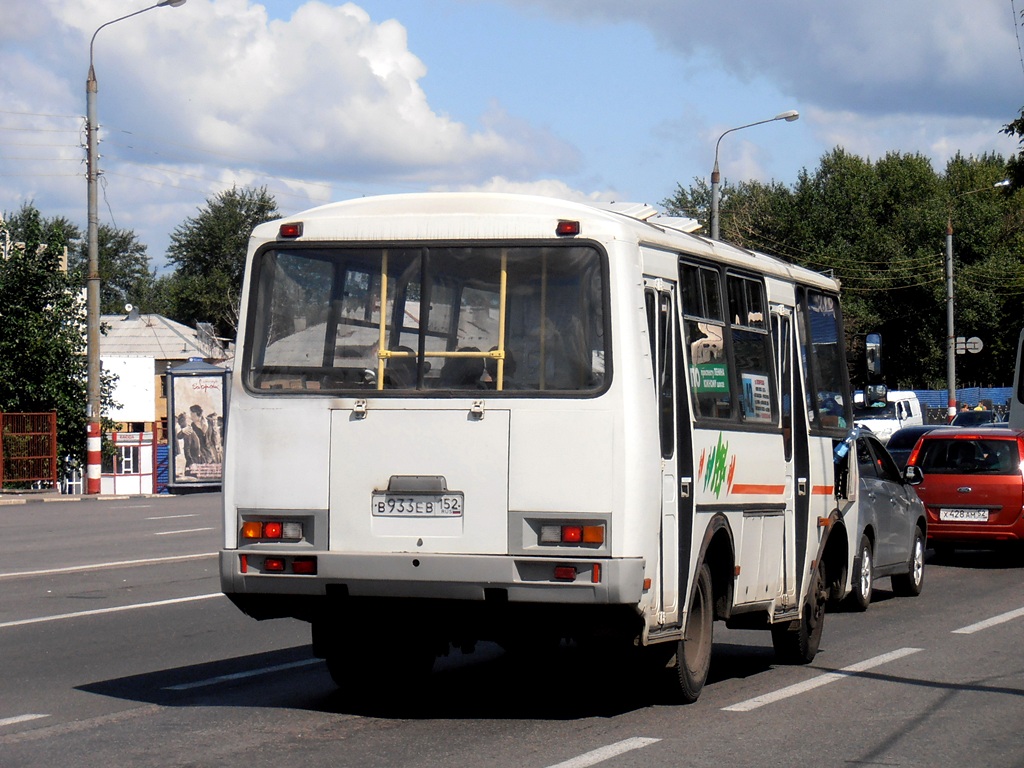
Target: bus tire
{"x":796,"y":642}
{"x":693,"y":654}
{"x":909,"y":584}
{"x":863,"y":576}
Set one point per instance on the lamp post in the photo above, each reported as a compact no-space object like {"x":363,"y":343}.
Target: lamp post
{"x":950,"y":332}
{"x":789,"y":116}
{"x":92,"y":284}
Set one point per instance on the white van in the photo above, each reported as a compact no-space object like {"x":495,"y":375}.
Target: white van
{"x":899,"y":409}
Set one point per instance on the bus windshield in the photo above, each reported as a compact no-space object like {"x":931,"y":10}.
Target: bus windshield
{"x":440,"y":319}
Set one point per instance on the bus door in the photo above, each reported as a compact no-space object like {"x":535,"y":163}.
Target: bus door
{"x":674,"y":445}
{"x":793,"y":435}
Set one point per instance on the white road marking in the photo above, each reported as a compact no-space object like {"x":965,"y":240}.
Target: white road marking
{"x":995,"y":620}
{"x":100,"y":611}
{"x":19,"y":719}
{"x":99,"y":566}
{"x":606,"y":753}
{"x":186,"y":530}
{"x":171,"y":517}
{"x":243,"y":675}
{"x":820,"y":680}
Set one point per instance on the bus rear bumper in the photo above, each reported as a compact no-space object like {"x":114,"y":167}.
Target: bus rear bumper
{"x":247,"y":574}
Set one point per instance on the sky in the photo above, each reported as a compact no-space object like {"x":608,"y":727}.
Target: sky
{"x":319,"y":100}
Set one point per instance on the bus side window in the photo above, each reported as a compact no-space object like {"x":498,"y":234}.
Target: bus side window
{"x":704,"y":338}
{"x":751,"y":348}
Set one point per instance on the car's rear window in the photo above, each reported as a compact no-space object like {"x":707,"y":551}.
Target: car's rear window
{"x":904,"y":438}
{"x":971,"y":456}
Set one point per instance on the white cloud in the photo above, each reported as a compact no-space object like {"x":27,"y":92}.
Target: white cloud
{"x":195,"y":99}
{"x":938,"y":57}
{"x":544,"y":187}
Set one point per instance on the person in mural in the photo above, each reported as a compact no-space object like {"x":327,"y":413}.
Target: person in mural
{"x":199,"y":426}
{"x":190,"y":446}
{"x":213,"y":436}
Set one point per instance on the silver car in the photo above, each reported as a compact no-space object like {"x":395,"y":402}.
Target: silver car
{"x":893,"y":527}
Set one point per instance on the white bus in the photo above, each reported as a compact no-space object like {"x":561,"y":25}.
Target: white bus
{"x":463,"y":417}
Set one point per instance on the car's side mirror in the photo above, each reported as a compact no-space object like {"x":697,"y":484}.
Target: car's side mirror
{"x":913,"y":475}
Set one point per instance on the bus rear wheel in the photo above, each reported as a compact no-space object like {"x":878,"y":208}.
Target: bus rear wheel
{"x":693,"y":652}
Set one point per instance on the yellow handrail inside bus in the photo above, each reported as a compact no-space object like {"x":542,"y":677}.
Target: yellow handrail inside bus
{"x":384,"y":354}
{"x":502,"y":296}
{"x":382,"y":350}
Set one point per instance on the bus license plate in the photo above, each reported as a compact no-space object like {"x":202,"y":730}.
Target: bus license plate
{"x":417,"y":504}
{"x":964,"y":515}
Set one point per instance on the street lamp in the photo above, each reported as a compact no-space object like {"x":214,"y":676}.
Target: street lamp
{"x":950,"y":333}
{"x":92,"y":283}
{"x":789,"y":116}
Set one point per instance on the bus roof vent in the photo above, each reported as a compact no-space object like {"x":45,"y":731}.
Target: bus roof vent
{"x":650,"y":214}
{"x":682,"y":223}
{"x":639,"y":211}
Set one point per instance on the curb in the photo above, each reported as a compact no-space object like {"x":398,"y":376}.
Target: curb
{"x":10,"y":500}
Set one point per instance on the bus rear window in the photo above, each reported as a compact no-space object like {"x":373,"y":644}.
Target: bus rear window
{"x":524,"y":319}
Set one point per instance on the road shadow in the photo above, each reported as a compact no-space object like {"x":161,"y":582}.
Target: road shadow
{"x":563,"y":684}
{"x":1001,"y":557}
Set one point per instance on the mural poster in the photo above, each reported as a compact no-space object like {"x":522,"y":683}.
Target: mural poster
{"x":197,"y":429}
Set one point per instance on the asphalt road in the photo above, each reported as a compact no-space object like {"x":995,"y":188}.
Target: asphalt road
{"x":118,"y":650}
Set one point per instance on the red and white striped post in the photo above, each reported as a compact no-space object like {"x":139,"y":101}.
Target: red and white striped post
{"x":93,"y":458}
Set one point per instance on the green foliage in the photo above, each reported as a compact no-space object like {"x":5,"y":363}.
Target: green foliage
{"x":209,"y":254}
{"x":125,"y":277}
{"x":880,"y":227}
{"x":42,"y":328}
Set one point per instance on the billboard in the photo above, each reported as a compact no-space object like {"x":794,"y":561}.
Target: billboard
{"x":196,"y":405}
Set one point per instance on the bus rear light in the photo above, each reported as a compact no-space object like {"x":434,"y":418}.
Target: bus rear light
{"x":305,"y":566}
{"x":290,"y":230}
{"x":551,"y":534}
{"x":595,"y":574}
{"x":565,"y":572}
{"x":273,"y":564}
{"x":565,"y":228}
{"x":572,"y":533}
{"x":272,"y":529}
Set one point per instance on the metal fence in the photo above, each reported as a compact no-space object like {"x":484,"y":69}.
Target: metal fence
{"x":28,"y":449}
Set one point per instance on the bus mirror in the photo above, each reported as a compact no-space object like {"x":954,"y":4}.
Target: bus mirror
{"x":875,"y":393}
{"x":873,"y":355}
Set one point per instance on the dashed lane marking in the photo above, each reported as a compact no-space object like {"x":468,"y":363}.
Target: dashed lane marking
{"x":995,"y":620}
{"x":243,"y":675}
{"x":100,"y":611}
{"x":19,"y":719}
{"x":606,"y":753}
{"x":820,"y":680}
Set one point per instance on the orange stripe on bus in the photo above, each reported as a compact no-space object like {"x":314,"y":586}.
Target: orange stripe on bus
{"x":761,"y":490}
{"x":823,"y":490}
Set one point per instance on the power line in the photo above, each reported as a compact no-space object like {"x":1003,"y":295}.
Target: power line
{"x":1016,"y":31}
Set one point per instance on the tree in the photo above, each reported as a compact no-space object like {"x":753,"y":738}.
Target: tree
{"x":42,"y":328}
{"x":125,"y":277}
{"x":879,"y":227}
{"x":208,"y":252}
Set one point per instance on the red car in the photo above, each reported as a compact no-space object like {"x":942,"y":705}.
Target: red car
{"x":970,"y":481}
